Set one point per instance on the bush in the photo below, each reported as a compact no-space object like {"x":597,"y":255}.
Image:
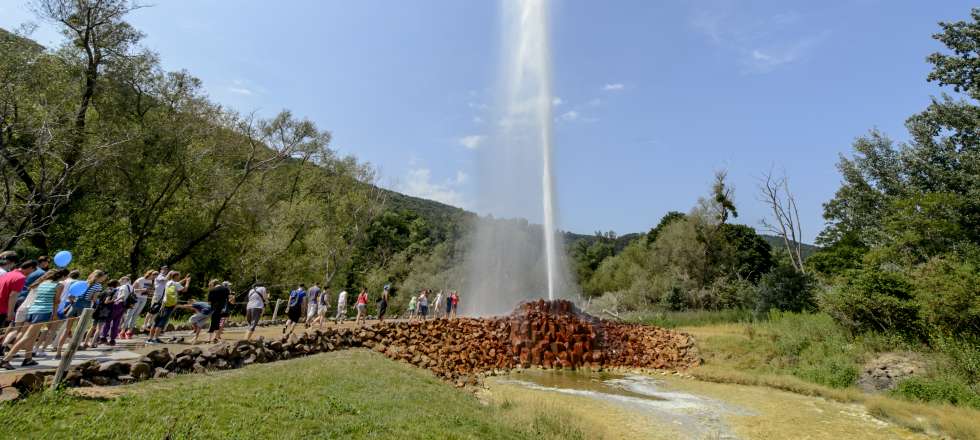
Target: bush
{"x":948,"y":293}
{"x":874,"y":300}
{"x":813,"y":347}
{"x":946,"y":390}
{"x":784,"y":289}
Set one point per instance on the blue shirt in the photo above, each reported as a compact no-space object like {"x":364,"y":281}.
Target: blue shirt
{"x":31,"y":278}
{"x":296,"y":297}
{"x":202,"y":308}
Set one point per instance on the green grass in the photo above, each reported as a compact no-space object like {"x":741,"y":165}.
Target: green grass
{"x":690,"y":318}
{"x":348,"y":394}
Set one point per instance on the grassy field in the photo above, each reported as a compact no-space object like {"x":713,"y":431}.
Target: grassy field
{"x":810,"y":354}
{"x":348,"y":394}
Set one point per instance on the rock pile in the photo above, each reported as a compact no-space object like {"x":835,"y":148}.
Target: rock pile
{"x":544,"y":334}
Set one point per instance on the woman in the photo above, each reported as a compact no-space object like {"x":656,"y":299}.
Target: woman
{"x":424,"y":304}
{"x":120,"y":302}
{"x":362,"y":301}
{"x":322,"y":308}
{"x":47,"y":294}
{"x":412,"y":305}
{"x":103,"y":313}
{"x":142,"y":287}
{"x":436,"y":310}
{"x":218,"y":299}
{"x":79,"y":303}
{"x":383,"y":305}
{"x":455,"y":301}
{"x":253,"y":310}
{"x":175,"y":286}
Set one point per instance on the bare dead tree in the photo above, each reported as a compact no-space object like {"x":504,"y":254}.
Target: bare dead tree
{"x":775,"y":192}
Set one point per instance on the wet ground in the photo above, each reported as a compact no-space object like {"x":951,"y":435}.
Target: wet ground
{"x":669,"y":407}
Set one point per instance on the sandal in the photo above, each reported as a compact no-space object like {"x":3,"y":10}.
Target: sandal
{"x":6,"y":365}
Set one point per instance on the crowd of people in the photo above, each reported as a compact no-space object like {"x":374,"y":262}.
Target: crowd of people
{"x":40,"y":305}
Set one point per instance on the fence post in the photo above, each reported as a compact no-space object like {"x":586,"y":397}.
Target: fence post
{"x":275,"y":311}
{"x":76,"y":339}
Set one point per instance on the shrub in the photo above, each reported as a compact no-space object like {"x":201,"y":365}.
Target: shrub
{"x":944,"y":389}
{"x":874,"y":300}
{"x":813,"y":347}
{"x":948,"y":293}
{"x":784,"y":289}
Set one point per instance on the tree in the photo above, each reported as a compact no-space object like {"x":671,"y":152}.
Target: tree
{"x":667,"y":219}
{"x":776,"y":194}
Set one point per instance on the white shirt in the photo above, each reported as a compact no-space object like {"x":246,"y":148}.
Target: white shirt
{"x":256,"y":298}
{"x":342,"y":298}
{"x":123,"y":292}
{"x":161,"y":286}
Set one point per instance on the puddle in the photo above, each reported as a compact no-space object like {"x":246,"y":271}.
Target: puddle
{"x":650,"y":401}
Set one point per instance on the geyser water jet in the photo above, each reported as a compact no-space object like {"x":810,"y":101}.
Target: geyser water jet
{"x":513,"y":260}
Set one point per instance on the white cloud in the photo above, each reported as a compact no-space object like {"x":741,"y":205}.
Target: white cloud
{"x":477,"y":120}
{"x":613,"y":87}
{"x":239,"y":87}
{"x":557,"y":101}
{"x":461,"y":177}
{"x":472,"y":141}
{"x":419,"y":184}
{"x":570,"y":115}
{"x":759,"y":44}
{"x":477,"y":105}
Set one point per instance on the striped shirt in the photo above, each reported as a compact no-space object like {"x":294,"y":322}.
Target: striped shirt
{"x":44,"y":301}
{"x":93,"y":292}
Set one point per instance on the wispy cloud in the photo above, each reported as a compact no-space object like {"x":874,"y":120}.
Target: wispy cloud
{"x":759,"y":44}
{"x":472,"y":141}
{"x":613,"y":87}
{"x":477,"y":120}
{"x":240,"y":87}
{"x":556,"y":101}
{"x":569,"y":116}
{"x":419,"y":183}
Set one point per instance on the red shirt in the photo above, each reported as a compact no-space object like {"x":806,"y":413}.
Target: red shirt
{"x":362,"y":298}
{"x":10,"y":283}
{"x":455,"y":299}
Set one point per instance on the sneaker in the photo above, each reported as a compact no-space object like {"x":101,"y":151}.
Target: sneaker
{"x":28,"y":363}
{"x":57,"y":357}
{"x":112,"y":343}
{"x":150,"y":342}
{"x":7,"y":366}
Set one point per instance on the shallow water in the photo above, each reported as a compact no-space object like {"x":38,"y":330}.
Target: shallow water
{"x":635,"y":406}
{"x":689,"y":415}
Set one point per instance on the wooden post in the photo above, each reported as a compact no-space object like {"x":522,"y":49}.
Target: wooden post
{"x":275,"y":311}
{"x":76,"y":339}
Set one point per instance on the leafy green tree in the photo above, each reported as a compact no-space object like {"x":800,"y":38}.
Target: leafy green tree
{"x":785,"y":289}
{"x":664,"y":221}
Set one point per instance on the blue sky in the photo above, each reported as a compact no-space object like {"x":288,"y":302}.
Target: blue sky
{"x":651,"y":96}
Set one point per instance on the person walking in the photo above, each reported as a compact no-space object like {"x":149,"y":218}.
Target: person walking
{"x":313,"y":304}
{"x":142,"y":288}
{"x":11,"y":284}
{"x":362,"y":301}
{"x":46,"y":290}
{"x":218,"y":294}
{"x":424,"y":304}
{"x":159,"y":287}
{"x":254,"y":308}
{"x":454,"y":299}
{"x":294,"y":309}
{"x":436,"y":305}
{"x":123,"y":299}
{"x":412,"y":307}
{"x":341,"y":307}
{"x":103,"y":313}
{"x":383,"y":303}
{"x":174,"y":287}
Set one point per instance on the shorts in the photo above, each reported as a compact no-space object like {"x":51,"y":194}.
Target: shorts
{"x":311,"y":311}
{"x":163,"y":318}
{"x":199,"y":319}
{"x":361,"y":308}
{"x":21,"y":314}
{"x":423,"y":310}
{"x":37,"y":318}
{"x":294,"y":313}
{"x":322,"y":310}
{"x":252,"y":316}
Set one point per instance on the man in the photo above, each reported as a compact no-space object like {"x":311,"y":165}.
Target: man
{"x":11,"y":284}
{"x":159,"y":287}
{"x":294,"y":309}
{"x":313,"y":304}
{"x":342,"y":306}
{"x":8,"y":260}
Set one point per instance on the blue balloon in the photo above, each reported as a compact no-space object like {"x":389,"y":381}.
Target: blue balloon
{"x":78,"y":288}
{"x":62,"y":258}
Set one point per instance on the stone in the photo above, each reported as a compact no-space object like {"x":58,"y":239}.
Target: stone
{"x":160,"y":372}
{"x":141,"y":371}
